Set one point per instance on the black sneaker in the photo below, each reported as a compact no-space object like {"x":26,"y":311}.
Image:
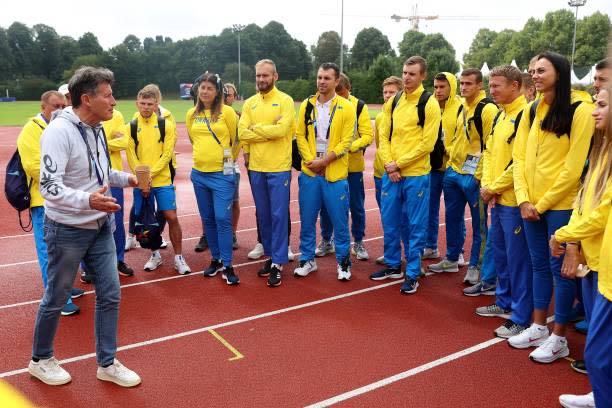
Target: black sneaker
{"x":409,"y":287}
{"x":124,"y":269}
{"x":230,"y":276}
{"x":579,"y":366}
{"x":387,"y":273}
{"x":275,"y":277}
{"x":84,"y":277}
{"x":234,"y":242}
{"x":265,"y":271}
{"x":76,"y":293}
{"x":202,"y":244}
{"x":215,"y":266}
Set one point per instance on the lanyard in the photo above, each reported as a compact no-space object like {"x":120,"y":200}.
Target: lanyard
{"x":211,"y":131}
{"x":331,"y":117}
{"x":96,"y":163}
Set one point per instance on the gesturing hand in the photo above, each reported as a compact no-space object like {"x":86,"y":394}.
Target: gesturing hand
{"x":99,"y":201}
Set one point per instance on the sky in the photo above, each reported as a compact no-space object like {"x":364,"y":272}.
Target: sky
{"x":112,"y":20}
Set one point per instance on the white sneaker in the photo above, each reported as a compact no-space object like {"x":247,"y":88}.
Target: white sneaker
{"x":359,"y":251}
{"x":444,"y":266}
{"x":325,"y":247}
{"x":49,"y":371}
{"x":305,"y":268}
{"x":257,"y":252}
{"x":472,"y":276}
{"x":164,"y":244}
{"x":429,"y":253}
{"x":181,"y":265}
{"x":153,"y":263}
{"x":119,"y":374}
{"x":344,"y":273}
{"x":290,"y":254}
{"x":461,"y":261}
{"x":532,"y":337}
{"x":577,"y":401}
{"x":130,"y":242}
{"x":552,"y":349}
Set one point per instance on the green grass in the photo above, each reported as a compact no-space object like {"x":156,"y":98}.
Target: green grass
{"x":18,"y":113}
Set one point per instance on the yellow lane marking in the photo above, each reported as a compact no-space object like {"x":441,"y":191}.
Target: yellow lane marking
{"x":237,"y":355}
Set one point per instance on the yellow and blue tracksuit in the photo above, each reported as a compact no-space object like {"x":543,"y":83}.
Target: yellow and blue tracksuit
{"x":330,"y":189}
{"x":214,"y":190}
{"x":436,"y":178}
{"x":546,"y":173}
{"x":506,"y":234}
{"x":266,"y":127}
{"x":28,"y":145}
{"x":363,"y":138}
{"x":461,"y":182}
{"x":379,"y":166}
{"x":409,"y":147}
{"x":598,"y":350}
{"x":117,"y":141}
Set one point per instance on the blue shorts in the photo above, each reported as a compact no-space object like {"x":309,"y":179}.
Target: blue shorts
{"x":237,"y":191}
{"x":165,"y":198}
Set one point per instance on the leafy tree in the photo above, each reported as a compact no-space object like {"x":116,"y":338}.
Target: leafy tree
{"x":411,"y":44}
{"x":327,"y":49}
{"x":47,"y":52}
{"x":21,"y":42}
{"x":590,"y":39}
{"x":89,"y":44}
{"x":230,"y":73}
{"x":480,"y":50}
{"x":369,"y":44}
{"x":7,"y":63}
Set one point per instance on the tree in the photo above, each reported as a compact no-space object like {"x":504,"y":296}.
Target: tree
{"x":369,"y":44}
{"x":591,"y":35}
{"x":21,"y":42}
{"x":479,"y":51}
{"x":47,"y":52}
{"x":327,"y":48}
{"x":7,"y":63}
{"x":411,"y":44}
{"x":89,"y":45}
{"x":230,"y":73}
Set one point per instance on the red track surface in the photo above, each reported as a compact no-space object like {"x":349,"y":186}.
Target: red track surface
{"x":292,"y":357}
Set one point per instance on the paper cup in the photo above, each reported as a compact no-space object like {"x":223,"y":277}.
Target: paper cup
{"x":143,"y":174}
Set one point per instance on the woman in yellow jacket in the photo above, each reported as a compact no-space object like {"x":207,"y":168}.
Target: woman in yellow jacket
{"x":212,"y":128}
{"x":584,"y":233}
{"x":549,"y":156}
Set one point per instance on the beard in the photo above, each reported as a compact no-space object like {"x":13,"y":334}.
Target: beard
{"x":264,"y":86}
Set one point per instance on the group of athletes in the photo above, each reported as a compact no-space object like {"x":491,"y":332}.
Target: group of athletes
{"x":537,"y":155}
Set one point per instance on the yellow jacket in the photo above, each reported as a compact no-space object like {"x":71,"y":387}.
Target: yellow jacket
{"x":547,"y":168}
{"x":150,"y":151}
{"x":449,"y":117}
{"x":497,"y":164}
{"x":363,"y":138}
{"x":116,"y":140}
{"x":588,"y":223}
{"x":379,"y":166}
{"x":166,"y":114}
{"x":207,"y":153}
{"x":410,"y":144}
{"x":461,"y":145}
{"x":28,"y":144}
{"x":271,"y":118}
{"x":341,"y":132}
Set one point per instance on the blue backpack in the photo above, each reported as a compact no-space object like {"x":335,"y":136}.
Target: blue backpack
{"x":149,"y":224}
{"x":17,"y":188}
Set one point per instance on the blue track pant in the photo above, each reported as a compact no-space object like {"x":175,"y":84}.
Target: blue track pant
{"x":356,"y":205}
{"x":598,"y":351}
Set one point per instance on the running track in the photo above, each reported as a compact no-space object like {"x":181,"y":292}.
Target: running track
{"x":312,"y":341}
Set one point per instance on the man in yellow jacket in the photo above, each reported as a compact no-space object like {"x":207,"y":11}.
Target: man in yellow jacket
{"x":363,"y":138}
{"x":266,"y":126}
{"x":507,"y":235}
{"x":325,"y":128}
{"x":28,"y":145}
{"x":462,"y":178}
{"x":406,"y":141}
{"x":147,"y":148}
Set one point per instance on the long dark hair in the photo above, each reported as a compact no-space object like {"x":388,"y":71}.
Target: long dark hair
{"x":215,"y":109}
{"x":558,"y":118}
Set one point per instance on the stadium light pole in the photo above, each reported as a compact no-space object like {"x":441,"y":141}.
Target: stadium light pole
{"x":238,"y":28}
{"x":575,"y":3}
{"x":341,"y":36}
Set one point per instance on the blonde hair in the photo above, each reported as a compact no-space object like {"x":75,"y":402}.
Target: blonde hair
{"x":154,"y":89}
{"x":393,"y":80}
{"x":266,"y":61}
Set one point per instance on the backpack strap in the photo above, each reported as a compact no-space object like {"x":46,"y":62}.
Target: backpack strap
{"x":161,"y":125}
{"x":423,"y":99}
{"x":517,"y":122}
{"x":360,"y":105}
{"x":134,"y":134}
{"x":496,"y":119}
{"x":308,"y":115}
{"x":396,"y":99}
{"x":477,"y":118}
{"x":532,"y":111}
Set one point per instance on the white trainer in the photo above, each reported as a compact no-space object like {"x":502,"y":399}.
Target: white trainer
{"x":49,"y":371}
{"x":305,"y":268}
{"x":472,"y":276}
{"x":131,"y":242}
{"x":164,"y":244}
{"x":532,"y":337}
{"x":256,"y":252}
{"x":552,"y":349}
{"x":153,"y":263}
{"x":325,"y":247}
{"x":344,"y":273}
{"x":290,"y":254}
{"x":359,"y":251}
{"x":119,"y":374}
{"x":180,"y":265}
{"x":577,"y":401}
{"x":461,"y":261}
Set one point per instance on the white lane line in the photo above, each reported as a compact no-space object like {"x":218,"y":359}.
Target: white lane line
{"x":405,"y":374}
{"x":216,"y":326}
{"x":129,"y":285}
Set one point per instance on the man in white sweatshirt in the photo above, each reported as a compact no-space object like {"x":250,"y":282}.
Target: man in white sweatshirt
{"x":75,"y":176}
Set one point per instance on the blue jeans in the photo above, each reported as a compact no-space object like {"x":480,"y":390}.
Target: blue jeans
{"x":547,"y":268}
{"x":314,"y":192}
{"x":436,"y":178}
{"x":356,"y":205}
{"x":66,"y":247}
{"x":271,"y":194}
{"x":119,"y":234}
{"x":215,"y":195}
{"x":404,"y":214}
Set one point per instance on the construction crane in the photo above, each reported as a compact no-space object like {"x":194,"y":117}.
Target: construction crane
{"x":414,"y":18}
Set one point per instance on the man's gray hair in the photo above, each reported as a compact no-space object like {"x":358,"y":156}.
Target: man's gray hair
{"x":86,"y":80}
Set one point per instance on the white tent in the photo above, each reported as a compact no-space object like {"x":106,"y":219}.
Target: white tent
{"x":586,"y":80}
{"x":485,"y":69}
{"x":513,"y":63}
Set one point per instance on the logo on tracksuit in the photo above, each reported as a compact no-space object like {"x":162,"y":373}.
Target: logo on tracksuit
{"x":517,"y":230}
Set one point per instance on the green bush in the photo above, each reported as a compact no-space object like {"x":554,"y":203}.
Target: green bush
{"x":28,"y":88}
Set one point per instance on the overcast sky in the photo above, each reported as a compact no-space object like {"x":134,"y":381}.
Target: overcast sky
{"x":112,"y":20}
